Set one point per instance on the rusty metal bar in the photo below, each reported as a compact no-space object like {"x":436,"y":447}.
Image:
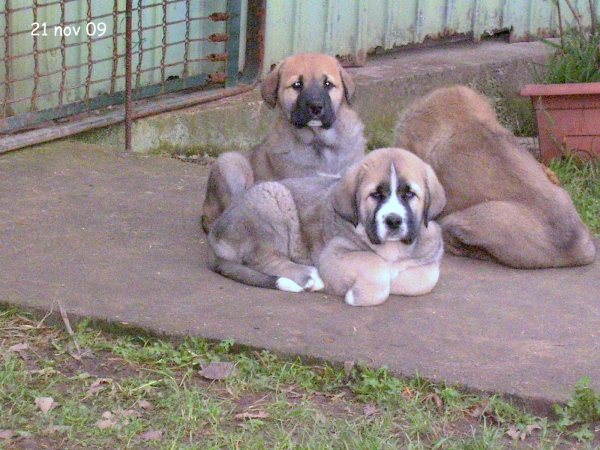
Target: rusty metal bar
{"x":36,"y":69}
{"x":164,"y":42}
{"x":90,"y":63}
{"x":186,"y":50}
{"x":17,"y":141}
{"x":128,"y":39}
{"x":63,"y":54}
{"x":233,"y":42}
{"x":140,"y":46}
{"x":115,"y":35}
{"x":5,"y":105}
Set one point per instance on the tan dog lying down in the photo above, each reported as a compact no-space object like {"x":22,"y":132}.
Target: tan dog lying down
{"x":364,"y":236}
{"x":501,"y":205}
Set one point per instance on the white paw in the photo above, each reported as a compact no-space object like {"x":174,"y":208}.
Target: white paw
{"x":285,"y":284}
{"x":314,"y":283}
{"x":350,"y":298}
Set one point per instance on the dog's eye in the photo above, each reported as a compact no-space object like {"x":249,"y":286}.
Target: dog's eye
{"x":377,"y":196}
{"x":408,"y":195}
{"x":297,"y":85}
{"x":327,"y":84}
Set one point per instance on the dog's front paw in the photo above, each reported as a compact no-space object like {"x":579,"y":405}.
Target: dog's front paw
{"x":285,"y":284}
{"x":314,"y":282}
{"x":354,"y":298}
{"x":349,"y":298}
{"x":311,"y":281}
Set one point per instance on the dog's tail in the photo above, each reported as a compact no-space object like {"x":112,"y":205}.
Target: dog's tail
{"x":244,"y":274}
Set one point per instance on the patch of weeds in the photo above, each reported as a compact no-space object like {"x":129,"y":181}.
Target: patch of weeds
{"x":581,"y":179}
{"x":133,"y":392}
{"x":581,"y":412}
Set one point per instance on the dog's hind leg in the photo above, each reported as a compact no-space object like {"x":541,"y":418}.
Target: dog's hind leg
{"x":247,"y":275}
{"x":230,"y":175}
{"x":279,"y":274}
{"x":257,"y":241}
{"x":514,"y":235}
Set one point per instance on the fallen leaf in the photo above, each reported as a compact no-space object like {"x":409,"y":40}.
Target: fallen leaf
{"x":6,"y":434}
{"x":100,"y":381}
{"x":218,"y":370}
{"x":149,"y":435}
{"x":98,"y":385}
{"x":44,"y":403}
{"x":478,"y":410}
{"x":370,"y":410}
{"x":257,"y":415}
{"x":107,"y":415}
{"x":407,"y":392}
{"x":104,"y":424}
{"x":145,"y":404}
{"x":515,"y":434}
{"x":436,"y":399}
{"x":20,"y":349}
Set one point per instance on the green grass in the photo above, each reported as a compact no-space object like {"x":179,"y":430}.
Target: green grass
{"x":575,"y":60}
{"x":581,"y":179}
{"x":125,"y":392}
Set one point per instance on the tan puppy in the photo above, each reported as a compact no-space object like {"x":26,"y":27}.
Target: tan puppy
{"x":363,"y":236}
{"x":315,"y":132}
{"x":501,"y":205}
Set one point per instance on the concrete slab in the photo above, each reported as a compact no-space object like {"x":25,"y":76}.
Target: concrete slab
{"x":118,"y":239}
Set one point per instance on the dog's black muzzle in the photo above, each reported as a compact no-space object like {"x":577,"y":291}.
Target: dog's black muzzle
{"x":313,"y":104}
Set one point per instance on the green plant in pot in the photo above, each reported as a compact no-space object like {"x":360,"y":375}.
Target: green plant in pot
{"x":567,"y":96}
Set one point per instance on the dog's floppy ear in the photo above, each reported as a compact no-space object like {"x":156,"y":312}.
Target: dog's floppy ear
{"x":345,"y":195}
{"x":270,"y":86}
{"x":435,"y":197}
{"x":348,"y":84}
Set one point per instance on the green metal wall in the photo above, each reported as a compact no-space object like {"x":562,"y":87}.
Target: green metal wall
{"x":353,"y":27}
{"x":43,"y":72}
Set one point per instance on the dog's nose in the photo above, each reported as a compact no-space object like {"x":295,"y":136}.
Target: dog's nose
{"x":393,"y":221}
{"x":316,"y":108}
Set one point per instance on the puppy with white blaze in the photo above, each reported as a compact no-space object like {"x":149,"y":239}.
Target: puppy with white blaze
{"x":363,"y":236}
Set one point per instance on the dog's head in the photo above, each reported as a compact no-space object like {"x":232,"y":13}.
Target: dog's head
{"x":390,"y":193}
{"x":309,"y":88}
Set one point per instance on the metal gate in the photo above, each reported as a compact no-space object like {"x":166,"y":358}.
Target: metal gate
{"x":66,"y":57}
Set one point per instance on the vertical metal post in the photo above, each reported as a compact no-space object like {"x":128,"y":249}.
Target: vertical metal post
{"x":36,"y":58}
{"x":6,"y":105}
{"x":128,"y":42}
{"x":233,"y":43}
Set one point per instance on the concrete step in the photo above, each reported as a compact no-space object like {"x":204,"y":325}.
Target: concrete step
{"x":384,"y":86}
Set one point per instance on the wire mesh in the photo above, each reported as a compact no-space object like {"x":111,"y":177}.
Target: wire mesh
{"x":62,"y":57}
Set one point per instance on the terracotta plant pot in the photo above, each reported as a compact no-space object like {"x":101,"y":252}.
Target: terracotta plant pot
{"x":568,"y":118}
